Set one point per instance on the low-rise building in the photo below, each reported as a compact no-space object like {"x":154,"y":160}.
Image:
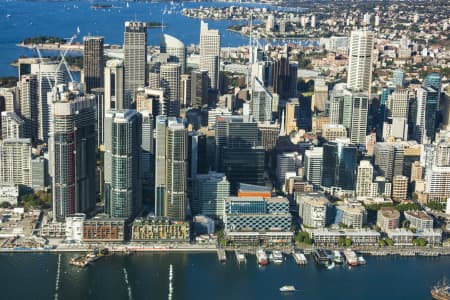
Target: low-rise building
{"x":419,"y":219}
{"x":388,"y":218}
{"x":104,"y":229}
{"x":405,"y":237}
{"x":352,"y":215}
{"x":159,"y":230}
{"x":331,"y":237}
{"x":74,"y":227}
{"x":314,"y":209}
{"x":9,"y":194}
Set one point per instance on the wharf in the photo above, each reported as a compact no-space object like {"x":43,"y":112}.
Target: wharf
{"x":221,"y":255}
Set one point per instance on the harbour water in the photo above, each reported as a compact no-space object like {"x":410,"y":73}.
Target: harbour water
{"x":22,"y":19}
{"x":201,"y":276}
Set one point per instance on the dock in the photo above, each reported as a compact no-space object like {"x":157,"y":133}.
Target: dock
{"x":299,"y":258}
{"x":221,"y":255}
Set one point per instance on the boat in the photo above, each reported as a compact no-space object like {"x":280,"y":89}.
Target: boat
{"x":441,"y":291}
{"x":331,"y":266}
{"x":101,"y":6}
{"x":322,"y":257}
{"x":261,"y":257}
{"x":337,"y":257}
{"x":361,"y":260}
{"x":287,"y":288}
{"x":240,"y":257}
{"x":300,"y":258}
{"x":276,"y":257}
{"x":350,"y":257}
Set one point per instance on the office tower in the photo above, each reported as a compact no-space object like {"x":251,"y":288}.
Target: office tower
{"x":28,"y":104}
{"x":340,"y":99}
{"x":213,"y":113}
{"x":114,"y":86}
{"x":15,"y":162}
{"x":427,"y":107}
{"x":185,"y":90}
{"x":397,"y":104}
{"x":170,"y":81}
{"x":175,"y":49}
{"x":389,"y":159}
{"x":398,"y":78}
{"x":416,"y":171}
{"x":286,"y":163}
{"x":93,"y":62}
{"x":359,"y":74}
{"x":135,"y":63}
{"x":12,"y":125}
{"x":176,"y":169}
{"x":211,"y":190}
{"x":433,"y":80}
{"x":292,"y":113}
{"x":364,"y":186}
{"x":199,"y":88}
{"x":160,"y":165}
{"x":261,"y":102}
{"x":72,"y":145}
{"x":49,"y":75}
{"x":304,"y":119}
{"x":284,"y":74}
{"x":339,"y":166}
{"x":147,"y":154}
{"x":320,"y":96}
{"x":39,"y":173}
{"x":234,"y":132}
{"x":99,"y":94}
{"x":210,"y":53}
{"x":270,"y":22}
{"x":154,"y":79}
{"x":313,"y":161}
{"x":152,"y":100}
{"x":197,"y":156}
{"x":360,"y":108}
{"x":122,"y":163}
{"x":330,"y":132}
{"x":268,"y":134}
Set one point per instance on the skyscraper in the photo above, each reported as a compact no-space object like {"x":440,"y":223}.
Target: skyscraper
{"x":358,"y":128}
{"x":72,"y":155}
{"x":364,"y":186}
{"x":93,"y":62}
{"x":199,"y":88}
{"x":114,"y":86}
{"x":170,"y":81}
{"x":211,"y":190}
{"x":135,"y":48}
{"x":175,"y":48}
{"x":261,"y":102}
{"x":160,"y":165}
{"x":15,"y":162}
{"x":359,"y":75}
{"x":427,"y":107}
{"x":28,"y":105}
{"x":12,"y":125}
{"x":210,"y":53}
{"x":176,"y":169}
{"x":313,"y":165}
{"x":147,"y":153}
{"x":339,"y":166}
{"x":123,"y":163}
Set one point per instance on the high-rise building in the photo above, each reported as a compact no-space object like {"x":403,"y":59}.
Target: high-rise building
{"x":28,"y":105}
{"x":12,"y":125}
{"x":330,"y":132}
{"x":15,"y":162}
{"x":122,"y":163}
{"x":176,"y":170}
{"x":160,"y":165}
{"x":358,"y":129}
{"x":99,"y":94}
{"x":389,"y":159}
{"x":268,"y":134}
{"x":114,"y":86}
{"x":399,"y":188}
{"x":211,"y":190}
{"x":339,"y":166}
{"x":286,"y":163}
{"x":341,"y":105}
{"x":153,"y":100}
{"x":147,"y":154}
{"x":135,"y":63}
{"x":398,"y":78}
{"x":170,"y":81}
{"x":359,"y":75}
{"x":261,"y":102}
{"x":176,"y":50}
{"x":438,"y":184}
{"x":93,"y":62}
{"x":313,"y":165}
{"x":185,"y":90}
{"x":72,"y":150}
{"x":314,"y":209}
{"x":199,"y":88}
{"x":427,"y":107}
{"x":398,"y":104}
{"x":210,"y":53}
{"x":364,"y":186}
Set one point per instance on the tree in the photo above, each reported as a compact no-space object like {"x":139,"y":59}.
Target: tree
{"x":341,"y":241}
{"x":5,"y":204}
{"x":348,"y":242}
{"x":382,"y":243}
{"x":435,"y":205}
{"x":389,"y":242}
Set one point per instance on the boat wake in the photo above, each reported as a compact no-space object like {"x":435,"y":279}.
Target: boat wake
{"x":125,"y":274}
{"x":58,"y":275}
{"x":170,"y":282}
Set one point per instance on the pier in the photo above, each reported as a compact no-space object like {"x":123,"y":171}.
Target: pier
{"x":221,"y":255}
{"x":240,"y":257}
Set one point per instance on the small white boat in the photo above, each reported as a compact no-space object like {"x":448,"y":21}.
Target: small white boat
{"x":331,"y":266}
{"x":287,"y":288}
{"x":337,"y":257}
{"x":276,"y":257}
{"x":361,"y":260}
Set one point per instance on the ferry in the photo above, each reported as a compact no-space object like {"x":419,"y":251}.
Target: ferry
{"x":261,"y":257}
{"x":276,"y":257}
{"x":441,"y":291}
{"x":337,"y":257}
{"x":350,"y":257}
{"x":322,"y":257}
{"x":287,"y":288}
{"x":300,"y":258}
